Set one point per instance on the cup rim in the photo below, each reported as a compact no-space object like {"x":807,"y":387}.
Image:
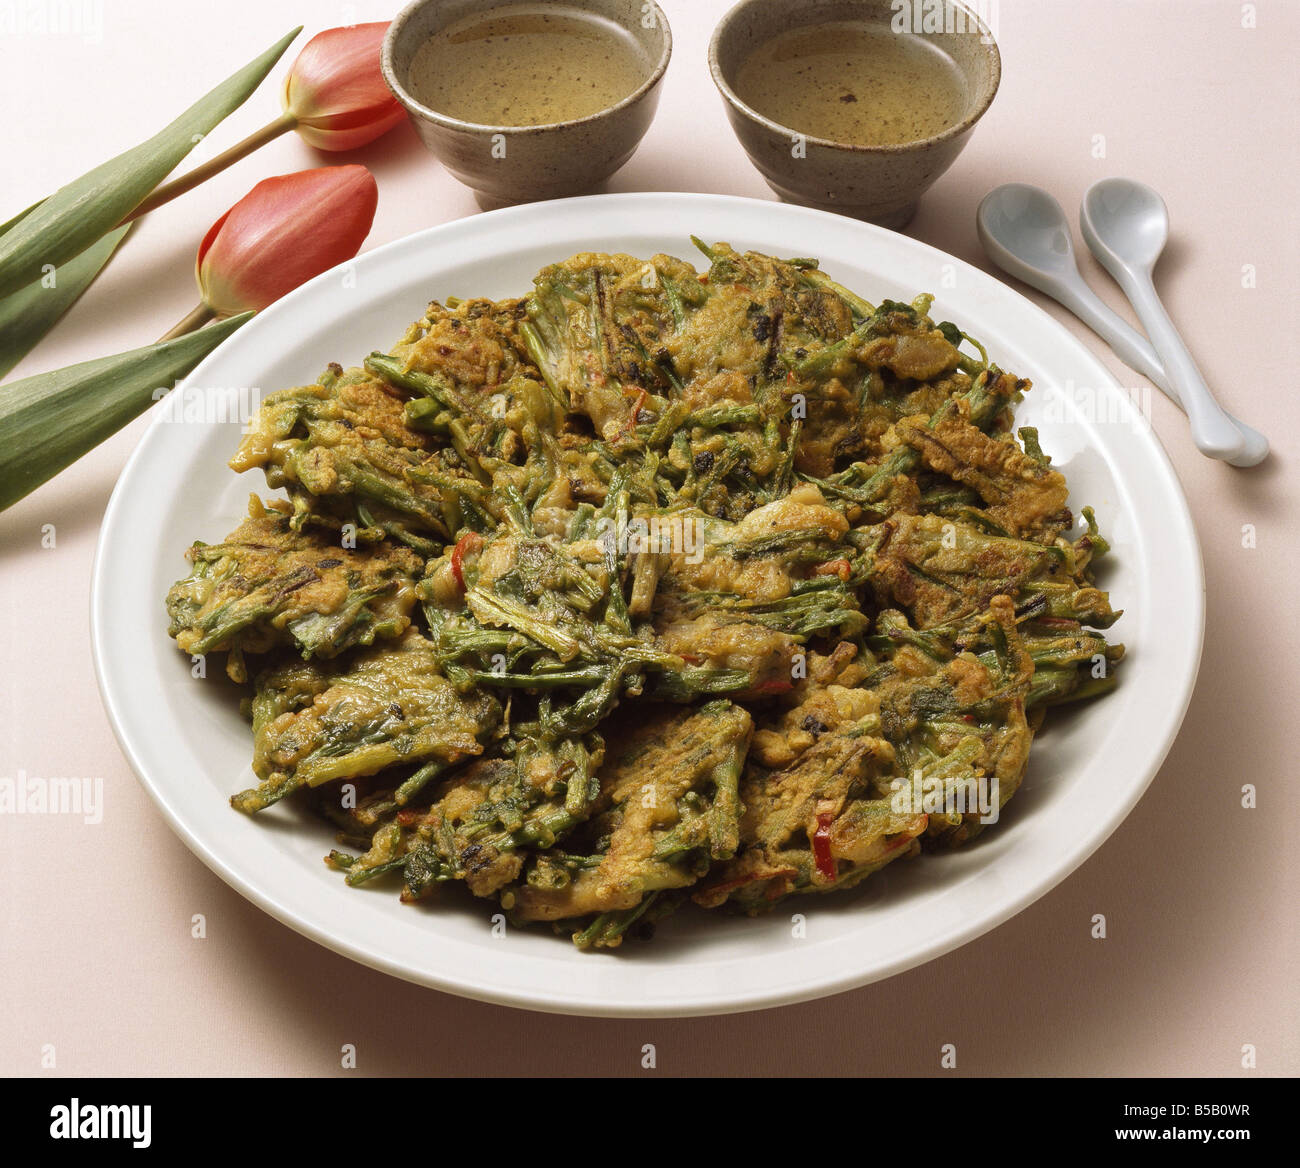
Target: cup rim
{"x":944,"y":135}
{"x":413,"y":106}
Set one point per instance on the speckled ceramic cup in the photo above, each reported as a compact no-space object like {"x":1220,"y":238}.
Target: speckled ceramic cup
{"x":879,"y":183}
{"x":517,"y":164}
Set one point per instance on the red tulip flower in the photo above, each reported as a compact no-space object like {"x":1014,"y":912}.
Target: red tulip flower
{"x":282,"y":233}
{"x":334,"y":96}
{"x":335,"y":91}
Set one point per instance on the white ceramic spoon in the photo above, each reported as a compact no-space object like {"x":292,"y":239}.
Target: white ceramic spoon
{"x":1126,"y":226}
{"x":1025,"y":232}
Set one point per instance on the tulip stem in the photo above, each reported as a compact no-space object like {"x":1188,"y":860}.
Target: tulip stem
{"x":199,"y":315}
{"x":203,"y":172}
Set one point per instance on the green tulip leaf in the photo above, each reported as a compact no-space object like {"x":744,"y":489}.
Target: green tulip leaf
{"x":21,"y":215}
{"x":52,"y":419}
{"x":27,"y":315}
{"x":76,"y":215}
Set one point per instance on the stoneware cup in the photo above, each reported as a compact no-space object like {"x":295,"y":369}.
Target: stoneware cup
{"x":516,"y":164}
{"x":878,"y":183}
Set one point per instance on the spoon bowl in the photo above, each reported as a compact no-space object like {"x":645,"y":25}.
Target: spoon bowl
{"x":1028,"y":229}
{"x":1128,"y":221}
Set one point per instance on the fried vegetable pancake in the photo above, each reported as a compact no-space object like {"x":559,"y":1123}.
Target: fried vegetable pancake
{"x":389,"y":706}
{"x":731,"y":585}
{"x":268,"y":585}
{"x":668,"y":807}
{"x":343,"y":446}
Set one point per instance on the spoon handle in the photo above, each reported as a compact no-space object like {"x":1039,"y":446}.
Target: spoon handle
{"x":1135,"y":351}
{"x":1212,"y":429}
{"x":1130,"y":346}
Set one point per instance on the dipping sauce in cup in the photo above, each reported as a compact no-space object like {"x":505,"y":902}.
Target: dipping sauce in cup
{"x":527,"y":65}
{"x":854,"y":106}
{"x":855,"y":82}
{"x":525,"y":100}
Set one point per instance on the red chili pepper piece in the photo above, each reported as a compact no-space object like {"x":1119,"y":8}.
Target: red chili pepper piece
{"x":821,"y":845}
{"x":641,"y":395}
{"x":471,"y":541}
{"x":841,"y":568}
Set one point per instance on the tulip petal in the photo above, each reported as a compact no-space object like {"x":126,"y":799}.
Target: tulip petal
{"x":338,"y":135}
{"x":282,"y":233}
{"x":336,"y":89}
{"x":76,"y":215}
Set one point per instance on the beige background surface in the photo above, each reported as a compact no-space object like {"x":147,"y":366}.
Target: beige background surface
{"x":96,"y":956}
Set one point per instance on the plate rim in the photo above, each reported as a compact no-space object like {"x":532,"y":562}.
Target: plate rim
{"x":713,"y":1002}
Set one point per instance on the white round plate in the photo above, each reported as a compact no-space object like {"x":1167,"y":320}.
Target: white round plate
{"x":191,"y":749}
